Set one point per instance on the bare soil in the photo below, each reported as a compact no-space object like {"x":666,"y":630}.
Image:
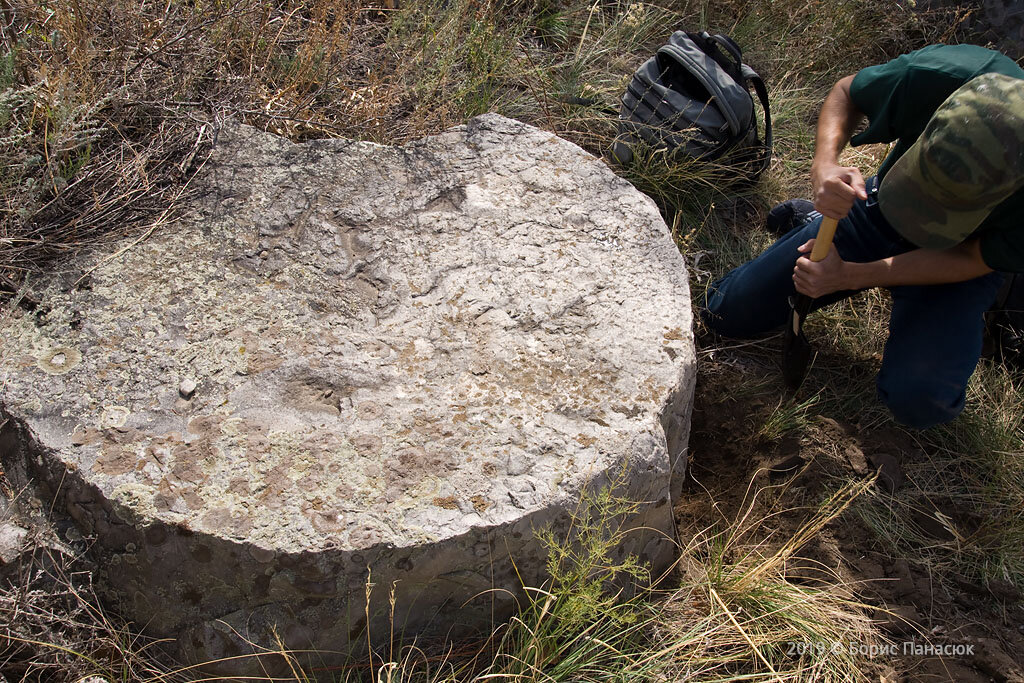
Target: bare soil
{"x":914,"y":606}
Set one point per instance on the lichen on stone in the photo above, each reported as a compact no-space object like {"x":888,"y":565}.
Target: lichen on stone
{"x":59,"y":360}
{"x":114,"y":417}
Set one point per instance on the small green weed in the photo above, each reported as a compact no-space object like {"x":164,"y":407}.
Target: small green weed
{"x":788,"y":416}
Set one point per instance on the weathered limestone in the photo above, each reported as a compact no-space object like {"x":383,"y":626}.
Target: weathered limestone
{"x":352,"y":363}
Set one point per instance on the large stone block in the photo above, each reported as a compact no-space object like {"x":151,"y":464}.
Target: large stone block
{"x":351,"y":364}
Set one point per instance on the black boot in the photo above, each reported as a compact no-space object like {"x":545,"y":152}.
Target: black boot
{"x":788,"y":215}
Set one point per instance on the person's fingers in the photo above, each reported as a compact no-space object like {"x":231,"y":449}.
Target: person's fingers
{"x":834,"y":209}
{"x":803,"y":286}
{"x":841,"y":186}
{"x":806,"y":267}
{"x":807,"y":285}
{"x":806,"y":247}
{"x":837,"y":192}
{"x":817,"y":278}
{"x":858,"y":185}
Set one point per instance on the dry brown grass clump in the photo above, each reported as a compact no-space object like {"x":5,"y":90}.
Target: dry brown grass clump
{"x":53,"y":628}
{"x":106,"y":106}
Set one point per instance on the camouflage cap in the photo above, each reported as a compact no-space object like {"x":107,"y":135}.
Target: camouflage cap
{"x":969,"y":158}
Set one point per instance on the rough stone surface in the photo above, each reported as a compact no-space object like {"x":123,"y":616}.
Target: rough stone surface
{"x":399,"y":363}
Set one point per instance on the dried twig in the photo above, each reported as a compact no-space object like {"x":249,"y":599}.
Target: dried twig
{"x":8,"y":286}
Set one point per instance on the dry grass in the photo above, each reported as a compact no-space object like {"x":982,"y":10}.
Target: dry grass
{"x":105,"y":102}
{"x":732,"y":614}
{"x":53,"y":627}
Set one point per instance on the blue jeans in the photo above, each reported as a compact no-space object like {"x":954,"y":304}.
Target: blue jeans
{"x":935,"y":331}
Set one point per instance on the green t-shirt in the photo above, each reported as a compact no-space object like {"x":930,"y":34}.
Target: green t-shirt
{"x":899,"y":98}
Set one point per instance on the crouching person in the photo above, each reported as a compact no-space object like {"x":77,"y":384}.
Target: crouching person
{"x":937,"y":224}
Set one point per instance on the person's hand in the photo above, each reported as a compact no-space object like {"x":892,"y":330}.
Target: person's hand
{"x":819,"y":278}
{"x":836,"y":188}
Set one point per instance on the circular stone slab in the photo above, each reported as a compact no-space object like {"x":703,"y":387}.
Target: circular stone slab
{"x":352,"y":363}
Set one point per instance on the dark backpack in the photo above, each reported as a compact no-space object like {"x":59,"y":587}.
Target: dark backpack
{"x":692,"y":100}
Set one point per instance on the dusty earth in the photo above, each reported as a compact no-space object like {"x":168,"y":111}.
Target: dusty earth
{"x":732,"y":456}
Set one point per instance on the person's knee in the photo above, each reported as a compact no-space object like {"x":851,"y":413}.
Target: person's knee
{"x":714,"y":317}
{"x":723,"y":321}
{"x":737,"y":314}
{"x":921,"y":404}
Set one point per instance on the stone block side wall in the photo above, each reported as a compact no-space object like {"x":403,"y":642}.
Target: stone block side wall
{"x":317,"y":603}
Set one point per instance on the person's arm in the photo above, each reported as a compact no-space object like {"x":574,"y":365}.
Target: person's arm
{"x":917,"y":267}
{"x":835,"y":186}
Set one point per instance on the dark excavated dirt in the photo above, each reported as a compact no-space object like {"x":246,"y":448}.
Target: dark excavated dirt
{"x":913,"y":602}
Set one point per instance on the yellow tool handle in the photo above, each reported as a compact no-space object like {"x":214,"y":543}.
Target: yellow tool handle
{"x":826,"y":231}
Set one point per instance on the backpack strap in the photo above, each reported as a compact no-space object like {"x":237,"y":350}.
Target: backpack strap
{"x":730,"y":46}
{"x":722,"y":49}
{"x":709,"y":72}
{"x":762,"y":94}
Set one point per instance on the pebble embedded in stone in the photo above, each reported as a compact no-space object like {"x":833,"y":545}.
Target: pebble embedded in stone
{"x":187,"y":388}
{"x":114,"y":417}
{"x":59,"y":361}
